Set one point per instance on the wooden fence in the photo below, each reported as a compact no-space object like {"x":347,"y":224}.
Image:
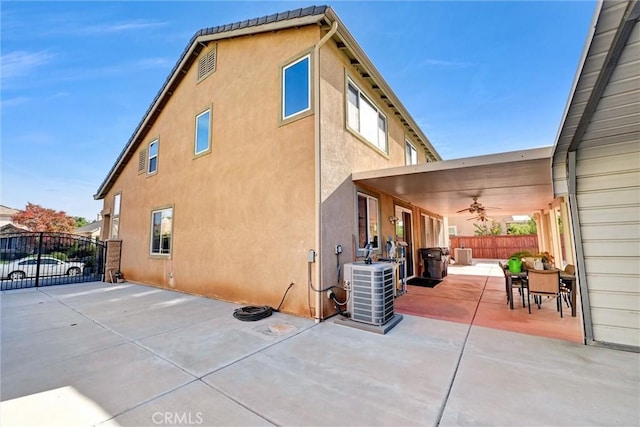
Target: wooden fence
{"x":495,"y":247}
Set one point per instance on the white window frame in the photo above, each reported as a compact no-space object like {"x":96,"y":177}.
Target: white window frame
{"x":115,"y":216}
{"x":382,"y":139}
{"x":283,"y":82}
{"x":195,"y":141}
{"x":150,"y":156}
{"x":453,"y":230}
{"x":410,"y":153}
{"x":151,"y":236}
{"x":367,"y":219}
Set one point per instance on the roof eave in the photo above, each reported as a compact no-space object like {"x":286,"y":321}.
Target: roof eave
{"x":576,"y":78}
{"x":357,"y":51}
{"x":202,"y":37}
{"x":197,"y":41}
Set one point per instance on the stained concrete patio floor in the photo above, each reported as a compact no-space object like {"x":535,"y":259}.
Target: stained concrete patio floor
{"x":131,"y":355}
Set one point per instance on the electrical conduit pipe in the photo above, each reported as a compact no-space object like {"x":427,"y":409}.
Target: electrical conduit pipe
{"x":318,"y":180}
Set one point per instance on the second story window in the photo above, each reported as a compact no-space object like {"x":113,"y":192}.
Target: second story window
{"x":296,"y":87}
{"x":152,"y":163}
{"x":365,"y":118}
{"x":410,"y":153}
{"x":203,"y":133}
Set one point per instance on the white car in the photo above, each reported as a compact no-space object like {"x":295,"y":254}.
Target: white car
{"x":49,"y":266}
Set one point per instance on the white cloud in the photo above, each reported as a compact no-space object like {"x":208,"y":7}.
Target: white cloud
{"x":14,"y":102}
{"x":446,"y":63}
{"x":21,"y":63}
{"x":112,"y":28}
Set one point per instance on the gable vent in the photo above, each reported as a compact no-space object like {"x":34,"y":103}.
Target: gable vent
{"x":207,"y":63}
{"x":142,"y":160}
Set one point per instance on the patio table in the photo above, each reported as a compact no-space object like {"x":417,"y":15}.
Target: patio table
{"x":569,"y":278}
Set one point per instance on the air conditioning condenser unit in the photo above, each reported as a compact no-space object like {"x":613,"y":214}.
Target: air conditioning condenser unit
{"x":372,"y":292}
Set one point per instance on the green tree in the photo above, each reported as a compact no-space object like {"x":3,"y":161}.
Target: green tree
{"x":484,"y":229}
{"x":80,"y":221}
{"x":528,"y":227}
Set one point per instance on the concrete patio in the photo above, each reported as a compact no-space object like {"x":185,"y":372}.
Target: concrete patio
{"x":131,"y":355}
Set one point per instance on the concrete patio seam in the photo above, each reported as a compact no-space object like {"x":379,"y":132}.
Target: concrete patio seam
{"x":151,"y":399}
{"x":128,"y":339}
{"x":260,"y":350}
{"x":200,"y":378}
{"x":195,"y":377}
{"x":142,"y":346}
{"x":236,"y":401}
{"x":443,"y":407}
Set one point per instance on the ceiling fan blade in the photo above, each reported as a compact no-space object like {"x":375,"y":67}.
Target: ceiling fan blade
{"x":462,"y":210}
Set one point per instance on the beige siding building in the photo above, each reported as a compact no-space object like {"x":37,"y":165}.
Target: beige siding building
{"x":596,"y":166}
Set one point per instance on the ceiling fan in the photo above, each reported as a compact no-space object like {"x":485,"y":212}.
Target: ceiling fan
{"x":476,"y":208}
{"x":482,"y":216}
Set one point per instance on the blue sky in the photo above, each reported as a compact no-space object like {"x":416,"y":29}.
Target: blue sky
{"x":77,"y":77}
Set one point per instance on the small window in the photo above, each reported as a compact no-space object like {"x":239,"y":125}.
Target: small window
{"x":203,"y":132}
{"x":115,"y":219}
{"x":161,"y":231}
{"x":368,"y":224}
{"x":152,"y":164}
{"x":365,"y":118}
{"x":411,"y":154}
{"x":296,"y":88}
{"x":207,"y":63}
{"x":453,"y":230}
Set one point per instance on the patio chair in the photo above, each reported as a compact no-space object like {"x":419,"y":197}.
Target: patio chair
{"x":544,"y":283}
{"x":565,"y":287}
{"x":516,"y":282}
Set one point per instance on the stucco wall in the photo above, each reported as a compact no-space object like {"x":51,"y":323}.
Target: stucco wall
{"x":342,"y":154}
{"x":243,"y":214}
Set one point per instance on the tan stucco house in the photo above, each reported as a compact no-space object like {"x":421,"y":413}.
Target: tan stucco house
{"x":242,"y":165}
{"x":275,"y":141}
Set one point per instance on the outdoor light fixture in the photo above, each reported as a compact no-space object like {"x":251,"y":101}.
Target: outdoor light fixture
{"x":393,"y":219}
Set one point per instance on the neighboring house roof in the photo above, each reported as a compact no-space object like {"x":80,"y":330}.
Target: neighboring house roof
{"x":11,"y":229}
{"x":318,"y":15}
{"x":7,"y":211}
{"x":89,"y":228}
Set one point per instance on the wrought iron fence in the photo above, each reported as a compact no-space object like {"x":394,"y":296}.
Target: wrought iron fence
{"x":43,"y":259}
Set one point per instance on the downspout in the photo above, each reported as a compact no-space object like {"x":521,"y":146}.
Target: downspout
{"x":318,"y":189}
{"x":581,"y":272}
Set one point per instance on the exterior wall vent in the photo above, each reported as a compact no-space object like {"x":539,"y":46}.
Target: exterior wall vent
{"x":142,"y":161}
{"x":207,"y":63}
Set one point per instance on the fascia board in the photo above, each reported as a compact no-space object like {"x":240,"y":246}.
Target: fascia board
{"x":364,"y":60}
{"x":543,"y":153}
{"x":578,"y":74}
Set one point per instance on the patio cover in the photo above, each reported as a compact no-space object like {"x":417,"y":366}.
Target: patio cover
{"x":518,"y":182}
